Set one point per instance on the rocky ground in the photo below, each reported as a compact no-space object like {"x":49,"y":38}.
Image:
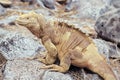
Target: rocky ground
{"x":100,"y":19}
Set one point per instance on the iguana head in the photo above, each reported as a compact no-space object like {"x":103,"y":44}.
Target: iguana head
{"x":33,"y":21}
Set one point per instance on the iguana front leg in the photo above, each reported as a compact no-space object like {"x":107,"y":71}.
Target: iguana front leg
{"x":64,"y":64}
{"x":52,"y":53}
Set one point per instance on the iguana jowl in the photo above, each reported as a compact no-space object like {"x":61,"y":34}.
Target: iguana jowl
{"x":71,"y":46}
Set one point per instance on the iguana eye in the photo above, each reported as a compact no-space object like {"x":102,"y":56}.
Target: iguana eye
{"x":27,"y":17}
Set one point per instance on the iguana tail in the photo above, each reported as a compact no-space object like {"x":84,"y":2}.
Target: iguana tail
{"x":104,"y":70}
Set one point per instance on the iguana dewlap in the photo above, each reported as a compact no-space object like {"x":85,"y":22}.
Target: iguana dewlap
{"x":71,"y":46}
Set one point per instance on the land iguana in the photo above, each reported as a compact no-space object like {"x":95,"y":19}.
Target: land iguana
{"x":69,"y":45}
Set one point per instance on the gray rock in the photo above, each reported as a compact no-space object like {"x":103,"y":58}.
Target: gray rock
{"x":29,"y":70}
{"x":6,"y":3}
{"x":89,"y":8}
{"x":106,"y":9}
{"x":2,"y":60}
{"x":49,"y":3}
{"x":82,"y":74}
{"x":107,"y":26}
{"x":27,"y":0}
{"x":56,"y":76}
{"x":1,"y":74}
{"x":31,"y":2}
{"x":2,"y":10}
{"x":70,"y":4}
{"x":102,"y":46}
{"x":22,"y":70}
{"x":110,"y":5}
{"x":107,"y":48}
{"x":114,"y":3}
{"x":17,"y":42}
{"x":8,"y":19}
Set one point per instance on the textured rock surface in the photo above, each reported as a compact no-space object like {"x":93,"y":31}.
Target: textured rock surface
{"x":29,"y":70}
{"x":18,"y":42}
{"x":107,"y":48}
{"x":72,"y":4}
{"x":82,"y":74}
{"x":6,"y":3}
{"x":49,"y":3}
{"x":2,"y":64}
{"x":114,"y":3}
{"x":2,"y":10}
{"x":8,"y":19}
{"x":56,"y":76}
{"x":89,"y":8}
{"x":107,"y":26}
{"x":1,"y":75}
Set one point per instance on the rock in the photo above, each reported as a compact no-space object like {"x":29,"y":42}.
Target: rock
{"x":82,"y":74}
{"x":29,"y":70}
{"x":106,"y":9}
{"x":107,"y":48}
{"x":2,"y":60}
{"x":8,"y":20}
{"x":49,"y":3}
{"x":27,"y":0}
{"x":56,"y":76}
{"x":1,"y":75}
{"x":71,"y":4}
{"x":88,"y":8}
{"x":110,"y":5}
{"x":107,"y":26}
{"x":2,"y":10}
{"x":18,"y":42}
{"x":23,"y":70}
{"x":114,"y":3}
{"x":75,"y":73}
{"x":31,"y":2}
{"x":6,"y":3}
{"x":2,"y":64}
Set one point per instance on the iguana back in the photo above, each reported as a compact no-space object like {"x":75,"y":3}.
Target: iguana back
{"x":70,"y":38}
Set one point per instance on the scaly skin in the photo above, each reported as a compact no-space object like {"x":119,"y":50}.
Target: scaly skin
{"x":70,"y":45}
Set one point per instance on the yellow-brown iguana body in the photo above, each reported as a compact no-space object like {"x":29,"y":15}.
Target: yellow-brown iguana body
{"x":68,"y":44}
